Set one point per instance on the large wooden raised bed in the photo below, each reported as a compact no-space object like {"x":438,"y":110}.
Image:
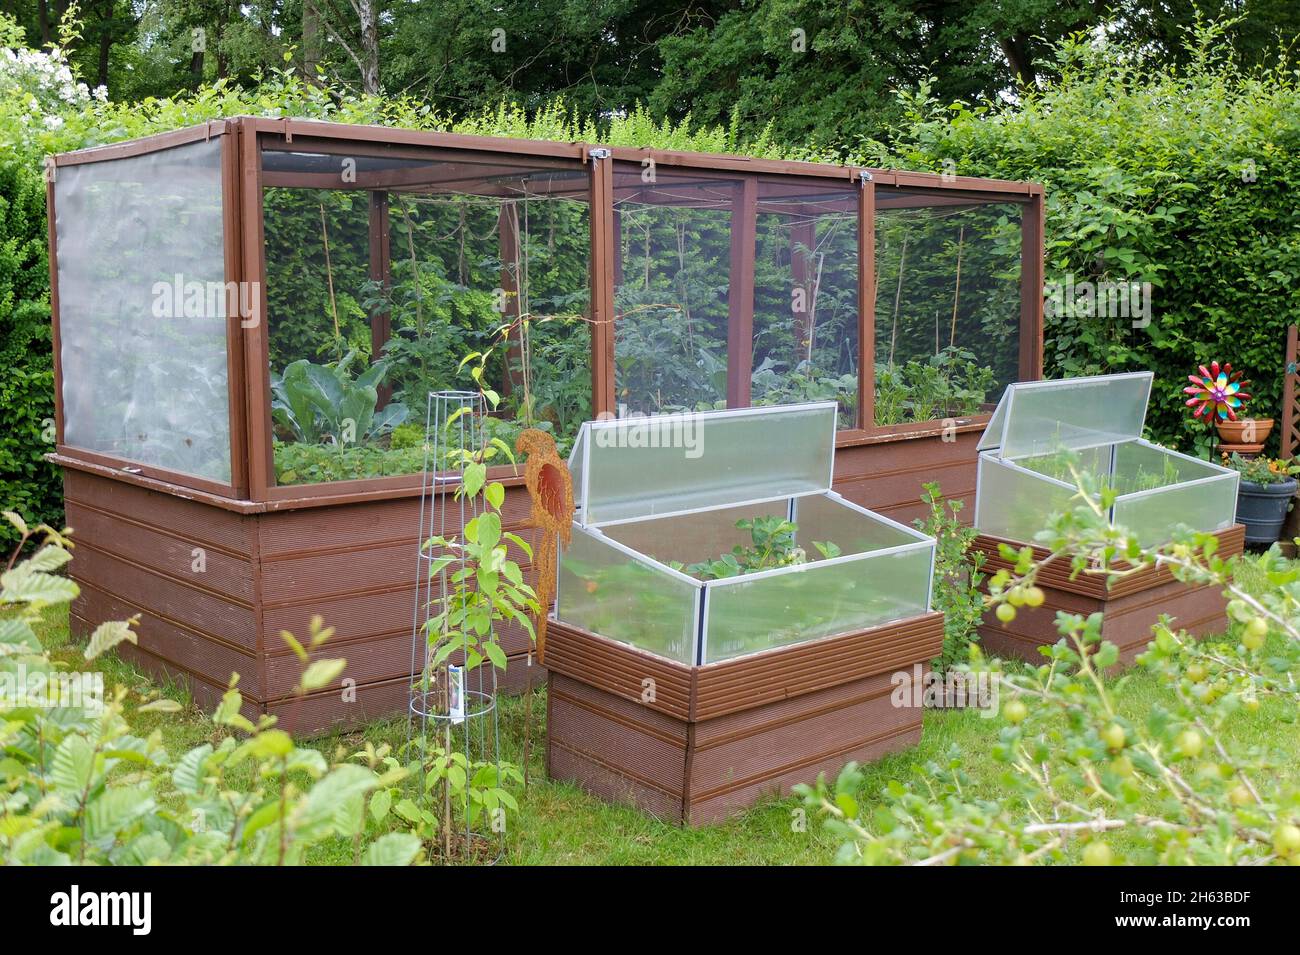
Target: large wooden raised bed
{"x":694,"y":744}
{"x":1130,"y":606}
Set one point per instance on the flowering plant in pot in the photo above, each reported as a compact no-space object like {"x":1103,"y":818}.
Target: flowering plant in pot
{"x":1264,"y":495}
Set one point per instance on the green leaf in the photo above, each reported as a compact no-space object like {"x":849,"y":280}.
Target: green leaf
{"x":392,"y":849}
{"x":161,"y":706}
{"x":322,"y":673}
{"x":73,"y":767}
{"x":495,"y":654}
{"x":187,"y":777}
{"x":114,"y":809}
{"x":108,"y":635}
{"x":23,"y":585}
{"x":380,"y":803}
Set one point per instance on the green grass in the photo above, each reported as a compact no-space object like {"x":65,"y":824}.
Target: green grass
{"x":561,"y":825}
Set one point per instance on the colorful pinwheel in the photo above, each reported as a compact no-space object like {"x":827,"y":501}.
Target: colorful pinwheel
{"x":1216,"y":392}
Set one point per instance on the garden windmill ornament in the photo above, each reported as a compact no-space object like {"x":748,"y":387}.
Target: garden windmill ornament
{"x":1216,"y":393}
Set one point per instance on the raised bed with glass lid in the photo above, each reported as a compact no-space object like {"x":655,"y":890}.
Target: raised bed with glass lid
{"x":1046,"y":435}
{"x":716,"y":587}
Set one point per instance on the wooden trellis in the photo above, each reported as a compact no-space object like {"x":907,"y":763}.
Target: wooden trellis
{"x":1290,"y":417}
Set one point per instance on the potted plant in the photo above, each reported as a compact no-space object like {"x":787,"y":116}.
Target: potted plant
{"x":1264,"y":495}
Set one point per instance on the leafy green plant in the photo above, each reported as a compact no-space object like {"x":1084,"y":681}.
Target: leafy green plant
{"x":947,"y":384}
{"x":957,"y":576}
{"x":1086,"y":782}
{"x":1262,"y":470}
{"x":77,"y":785}
{"x":773,"y":545}
{"x":313,"y":402}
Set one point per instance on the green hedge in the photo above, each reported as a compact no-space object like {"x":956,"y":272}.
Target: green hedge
{"x":1189,"y":182}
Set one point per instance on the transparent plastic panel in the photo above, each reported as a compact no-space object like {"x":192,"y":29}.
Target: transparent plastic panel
{"x":1153,"y":516}
{"x":1075,"y":413}
{"x":142,"y":309}
{"x":1015,"y":504}
{"x":607,"y":591}
{"x":827,"y":520}
{"x":947,"y":335}
{"x":690,"y":538}
{"x":806,"y":295}
{"x":1142,"y":467}
{"x":639,"y":467}
{"x":749,"y":615}
{"x":672,"y":288}
{"x":1062,"y":465}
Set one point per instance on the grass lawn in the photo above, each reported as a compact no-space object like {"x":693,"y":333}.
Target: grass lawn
{"x":561,"y":825}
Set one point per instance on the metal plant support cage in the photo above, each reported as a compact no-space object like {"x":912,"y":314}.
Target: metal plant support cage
{"x":450,"y":708}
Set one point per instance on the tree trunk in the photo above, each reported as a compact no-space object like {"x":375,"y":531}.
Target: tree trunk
{"x":368,"y":15}
{"x":1016,"y":50}
{"x":310,"y":42}
{"x":105,"y":44}
{"x":43,"y":13}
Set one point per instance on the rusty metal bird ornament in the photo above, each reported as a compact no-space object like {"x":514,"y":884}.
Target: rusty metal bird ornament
{"x":550,"y":489}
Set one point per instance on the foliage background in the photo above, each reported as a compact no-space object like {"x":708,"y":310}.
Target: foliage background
{"x":1181,"y":175}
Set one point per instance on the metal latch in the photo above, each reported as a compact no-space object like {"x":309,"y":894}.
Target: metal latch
{"x":599,"y":152}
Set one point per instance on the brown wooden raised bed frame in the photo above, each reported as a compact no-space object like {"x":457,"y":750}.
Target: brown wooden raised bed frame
{"x":276,"y":555}
{"x":694,"y":744}
{"x":1130,"y":606}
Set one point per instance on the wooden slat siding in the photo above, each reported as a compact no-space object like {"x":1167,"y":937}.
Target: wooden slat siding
{"x":736,"y":685}
{"x":371,"y":657}
{"x":182,"y":518}
{"x":1290,"y":432}
{"x":163,"y":553}
{"x":890,"y":476}
{"x":326,"y":710}
{"x":618,"y":669}
{"x":721,"y":806}
{"x":594,"y":723}
{"x":748,"y":750}
{"x":1057,"y":574}
{"x":217,"y":617}
{"x":1126,"y":621}
{"x":206,"y":695}
{"x":195,"y":652}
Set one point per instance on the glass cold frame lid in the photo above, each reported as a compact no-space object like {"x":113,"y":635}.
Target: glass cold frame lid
{"x":1042,"y":433}
{"x":653,"y":516}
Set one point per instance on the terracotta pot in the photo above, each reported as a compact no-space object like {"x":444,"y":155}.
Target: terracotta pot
{"x":1244,"y":430}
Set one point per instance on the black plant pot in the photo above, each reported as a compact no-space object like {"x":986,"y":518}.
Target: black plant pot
{"x":1262,"y":509}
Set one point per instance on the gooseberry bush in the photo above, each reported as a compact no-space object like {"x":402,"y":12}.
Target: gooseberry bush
{"x":1085,"y":781}
{"x":79,"y":785}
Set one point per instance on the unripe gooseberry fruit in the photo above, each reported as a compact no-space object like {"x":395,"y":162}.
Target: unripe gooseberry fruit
{"x":1197,"y":672}
{"x":1114,"y":737}
{"x":1006,"y":613}
{"x":1189,"y":743}
{"x":1016,"y":596}
{"x":1286,"y":839}
{"x":1034,"y":596}
{"x":1015,"y":711}
{"x":1253,"y":636}
{"x":1097,"y":853}
{"x":1240,"y":796}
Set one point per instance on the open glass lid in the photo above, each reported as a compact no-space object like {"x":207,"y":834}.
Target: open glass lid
{"x":1039,"y":417}
{"x":653,"y":466}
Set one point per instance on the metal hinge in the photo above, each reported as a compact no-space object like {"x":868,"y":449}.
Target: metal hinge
{"x":864,"y":177}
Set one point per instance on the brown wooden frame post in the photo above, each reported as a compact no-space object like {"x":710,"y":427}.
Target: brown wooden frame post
{"x":1290,"y":433}
{"x":256,"y":339}
{"x":603,"y":241}
{"x":1032,"y":251}
{"x":866,"y":302}
{"x":508,"y":243}
{"x":52,"y":172}
{"x":380,"y":270}
{"x":232,"y":218}
{"x":740,"y":293}
{"x":803,"y":236}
